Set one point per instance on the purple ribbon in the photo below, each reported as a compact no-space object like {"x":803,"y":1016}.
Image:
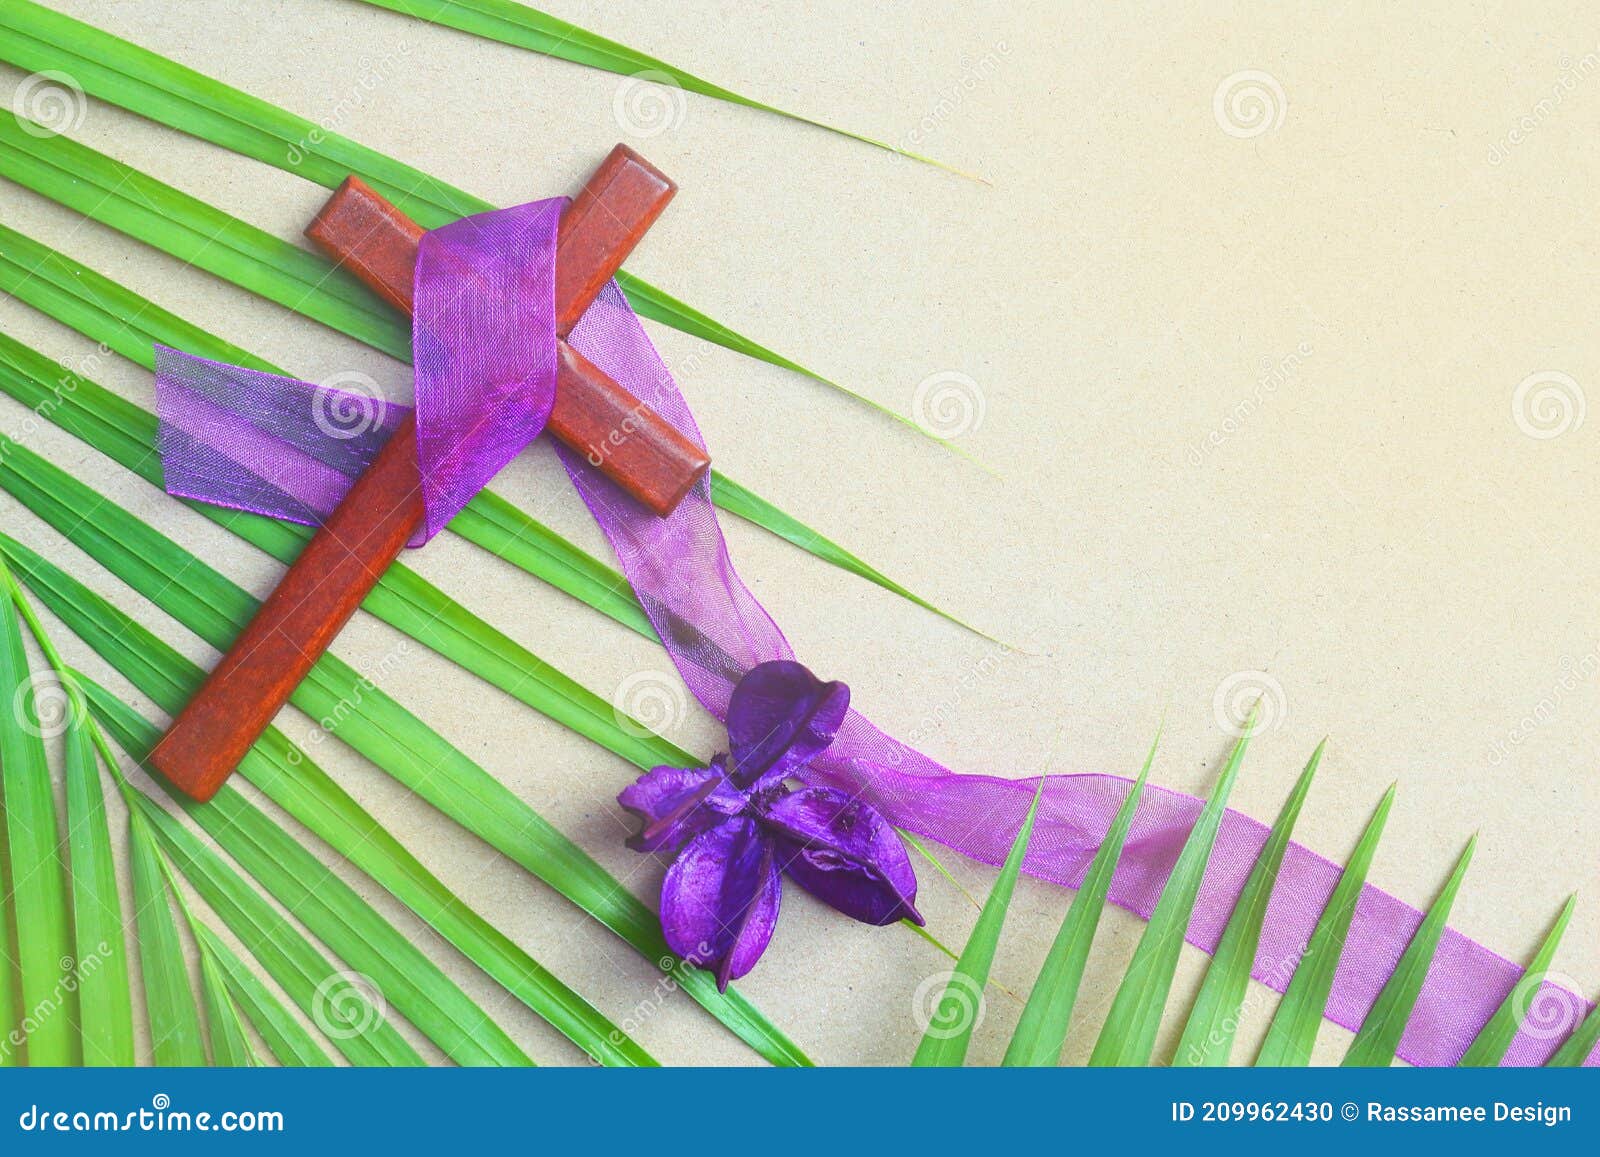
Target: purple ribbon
{"x":485,"y":354}
{"x":483,"y":340}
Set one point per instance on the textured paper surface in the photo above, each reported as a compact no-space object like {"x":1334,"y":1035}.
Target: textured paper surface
{"x":1251,"y":377}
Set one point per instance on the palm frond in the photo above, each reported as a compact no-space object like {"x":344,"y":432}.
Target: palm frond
{"x":105,"y":994}
{"x":949,"y":1031}
{"x":1128,"y":1036}
{"x":296,"y":878}
{"x":524,"y":27}
{"x":244,"y":831}
{"x":351,"y":928}
{"x":318,"y":986}
{"x":285,"y":1036}
{"x":288,"y":775}
{"x":1042,"y":1029}
{"x":169,"y":1001}
{"x":38,"y":887}
{"x":149,"y":85}
{"x":403,"y":747}
{"x":1293,"y":1032}
{"x":1385,"y":1023}
{"x":1493,"y":1041}
{"x":1208,"y":1034}
{"x":230,"y":1041}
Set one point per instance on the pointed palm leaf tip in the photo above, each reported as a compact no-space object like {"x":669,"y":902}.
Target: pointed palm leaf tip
{"x":736,"y":826}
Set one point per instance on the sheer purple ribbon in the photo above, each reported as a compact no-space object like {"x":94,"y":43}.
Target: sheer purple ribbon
{"x":259,"y":442}
{"x":483,"y":340}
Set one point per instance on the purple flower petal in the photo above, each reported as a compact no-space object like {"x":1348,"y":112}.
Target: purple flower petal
{"x":780,"y":716}
{"x":678,"y":803}
{"x":719,"y":902}
{"x":844,"y":852}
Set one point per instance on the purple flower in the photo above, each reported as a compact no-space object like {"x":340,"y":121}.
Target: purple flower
{"x":737,"y":826}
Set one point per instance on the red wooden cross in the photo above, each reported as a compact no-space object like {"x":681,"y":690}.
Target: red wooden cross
{"x":358,"y":541}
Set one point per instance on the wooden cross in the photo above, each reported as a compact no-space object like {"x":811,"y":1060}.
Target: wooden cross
{"x":349,"y":553}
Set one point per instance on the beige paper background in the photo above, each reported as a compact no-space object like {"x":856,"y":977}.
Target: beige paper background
{"x":1247,"y":397}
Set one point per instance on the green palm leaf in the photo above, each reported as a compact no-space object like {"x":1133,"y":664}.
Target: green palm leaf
{"x":1293,"y":1032}
{"x":1042,"y":1028}
{"x":230,"y":1042}
{"x":147,"y":84}
{"x":1385,"y":1023}
{"x":1128,"y":1036}
{"x":1208,"y":1034}
{"x":244,"y":911}
{"x":1489,"y":1047}
{"x":105,"y":995}
{"x":352,"y":929}
{"x":106,"y":312}
{"x":289,"y":871}
{"x":949,"y":1030}
{"x":291,"y":779}
{"x":1577,"y":1047}
{"x":357,"y":837}
{"x":402,"y":746}
{"x":37,"y":883}
{"x":288,"y":1040}
{"x":357,"y":1029}
{"x":105,"y":1004}
{"x":197,"y":234}
{"x":168,"y":999}
{"x":524,"y":27}
{"x":10,"y":1001}
{"x":111,"y":314}
{"x":216,"y":609}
